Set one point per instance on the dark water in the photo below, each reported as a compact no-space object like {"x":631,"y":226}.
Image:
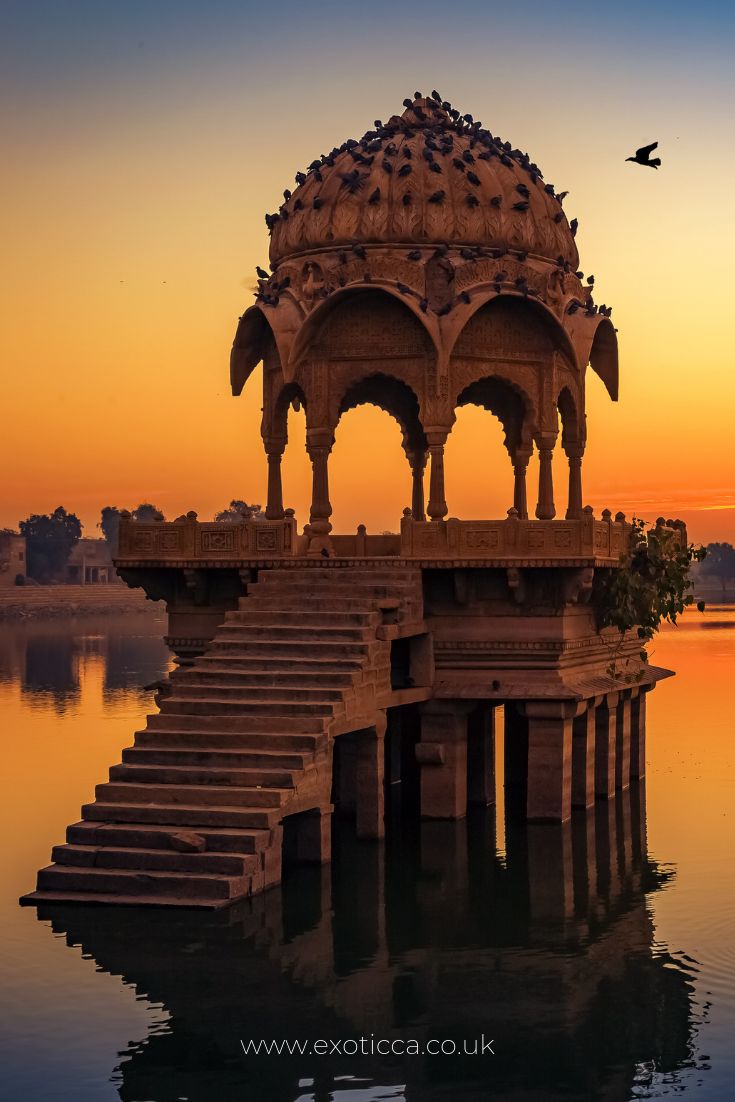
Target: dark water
{"x":595,"y":958}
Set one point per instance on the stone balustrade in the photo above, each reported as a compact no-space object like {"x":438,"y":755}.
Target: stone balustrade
{"x":538,"y":542}
{"x":217,"y":543}
{"x":586,"y":540}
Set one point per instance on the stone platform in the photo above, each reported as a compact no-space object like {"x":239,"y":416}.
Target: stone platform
{"x":331,"y":682}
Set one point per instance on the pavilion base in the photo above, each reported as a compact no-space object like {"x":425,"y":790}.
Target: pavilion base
{"x":343,"y":692}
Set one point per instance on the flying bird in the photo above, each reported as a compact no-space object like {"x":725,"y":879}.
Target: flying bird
{"x":643,"y":156}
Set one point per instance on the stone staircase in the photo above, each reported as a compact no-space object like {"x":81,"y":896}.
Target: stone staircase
{"x":193,"y":814}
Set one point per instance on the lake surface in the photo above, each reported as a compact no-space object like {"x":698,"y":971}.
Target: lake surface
{"x":598,"y":959}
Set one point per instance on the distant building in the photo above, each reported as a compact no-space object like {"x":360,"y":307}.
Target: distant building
{"x":90,"y":563}
{"x":13,"y":561}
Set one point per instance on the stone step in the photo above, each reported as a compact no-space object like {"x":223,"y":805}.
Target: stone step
{"x":319,"y":618}
{"x":155,"y":860}
{"x":181,"y":773}
{"x":308,"y":593}
{"x":214,"y":706}
{"x":274,"y":602}
{"x":255,"y":663}
{"x":120,"y":899}
{"x":236,"y":690}
{"x":137,"y":835}
{"x":258,"y":726}
{"x":290,"y":648}
{"x":277,"y":760}
{"x":326,"y":575}
{"x":181,"y":736}
{"x":226,"y":675}
{"x":192,"y":795}
{"x":184,"y":815}
{"x":138,"y":883}
{"x":301,"y":632}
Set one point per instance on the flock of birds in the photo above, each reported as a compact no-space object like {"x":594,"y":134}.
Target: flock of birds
{"x":439,"y":122}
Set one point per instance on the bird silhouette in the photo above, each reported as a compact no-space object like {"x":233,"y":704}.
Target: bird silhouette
{"x":643,"y":156}
{"x":262,"y":274}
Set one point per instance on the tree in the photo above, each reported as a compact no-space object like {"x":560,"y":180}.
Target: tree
{"x":110,"y":525}
{"x":720,"y":563}
{"x":146,"y":513}
{"x":50,"y":539}
{"x":235,"y":510}
{"x":650,"y":586}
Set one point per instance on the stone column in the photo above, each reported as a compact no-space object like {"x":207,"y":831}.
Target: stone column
{"x":574,"y":502}
{"x":638,"y":735}
{"x":550,"y":876}
{"x":583,"y":757}
{"x":520,"y":500}
{"x":370,"y":787}
{"x":417,"y":459}
{"x":515,"y":753}
{"x":437,"y":502}
{"x":585,"y":857}
{"x":319,"y":445}
{"x":605,"y":746}
{"x":274,"y":507}
{"x":312,"y":837}
{"x":545,"y":510}
{"x":549,"y":760}
{"x":481,"y":756}
{"x":442,"y":756}
{"x":622,"y":742}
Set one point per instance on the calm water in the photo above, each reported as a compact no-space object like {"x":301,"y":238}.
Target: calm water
{"x":598,"y":958}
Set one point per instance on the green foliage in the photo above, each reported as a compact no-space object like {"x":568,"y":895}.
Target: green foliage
{"x":147,"y":513}
{"x":49,"y":542}
{"x":110,"y":525}
{"x":720,"y":562}
{"x":649,"y":587}
{"x":235,"y":510}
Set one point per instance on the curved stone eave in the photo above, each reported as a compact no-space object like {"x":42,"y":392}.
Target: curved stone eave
{"x":248,"y":347}
{"x":318,"y":315}
{"x":596,"y":342}
{"x":480,"y":295}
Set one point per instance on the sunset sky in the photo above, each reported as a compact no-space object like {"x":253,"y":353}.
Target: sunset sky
{"x":142,"y":143}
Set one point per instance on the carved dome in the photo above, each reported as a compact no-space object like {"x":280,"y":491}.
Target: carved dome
{"x":427,"y":177}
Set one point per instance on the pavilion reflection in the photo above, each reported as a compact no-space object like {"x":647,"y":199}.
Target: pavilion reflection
{"x":550,"y":952}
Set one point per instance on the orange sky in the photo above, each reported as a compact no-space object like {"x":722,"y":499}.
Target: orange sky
{"x":140,"y":158}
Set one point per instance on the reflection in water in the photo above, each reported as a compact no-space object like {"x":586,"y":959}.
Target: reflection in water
{"x":49,"y":658}
{"x":550,"y":953}
{"x":549,"y":949}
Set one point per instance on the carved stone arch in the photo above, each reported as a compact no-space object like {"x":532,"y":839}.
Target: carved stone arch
{"x":275,"y":416}
{"x":508,"y":402}
{"x":572,"y":419}
{"x":603,"y":356}
{"x":373,"y":319}
{"x":521,"y":326}
{"x":252,"y":338}
{"x":260,"y":329}
{"x":391,"y":394}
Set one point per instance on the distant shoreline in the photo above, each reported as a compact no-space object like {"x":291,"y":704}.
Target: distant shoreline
{"x":66,"y":601}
